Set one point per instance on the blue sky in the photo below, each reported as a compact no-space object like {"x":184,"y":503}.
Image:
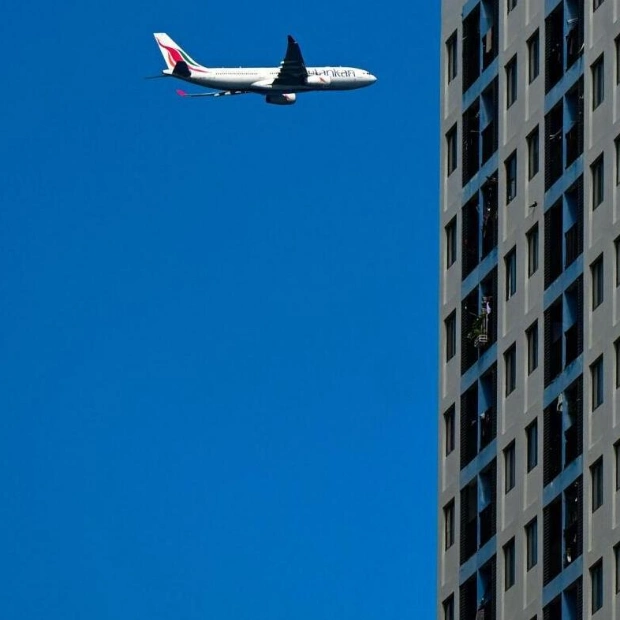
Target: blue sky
{"x":219,"y":346}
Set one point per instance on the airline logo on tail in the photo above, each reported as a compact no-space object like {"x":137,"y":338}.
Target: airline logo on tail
{"x":173,"y":54}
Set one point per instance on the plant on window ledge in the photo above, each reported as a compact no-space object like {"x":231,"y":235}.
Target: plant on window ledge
{"x":478,"y":333}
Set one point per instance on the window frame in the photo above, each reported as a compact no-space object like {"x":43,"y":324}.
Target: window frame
{"x":531,"y":544}
{"x":597,"y":386}
{"x":449,"y":418}
{"x":510,"y":266}
{"x":510,"y":171}
{"x":533,"y":56}
{"x":510,"y":462}
{"x":597,"y":484}
{"x":448,"y":608}
{"x":597,"y":177}
{"x":450,"y":335}
{"x":617,"y":48}
{"x":533,"y":245}
{"x":617,"y":568}
{"x":617,"y":257}
{"x":452,"y":151}
{"x":533,"y":153}
{"x":448,"y":525}
{"x":531,"y":439}
{"x":596,"y":585}
{"x":597,"y":71}
{"x":510,"y":370}
{"x":509,"y":564}
{"x":452,"y":57}
{"x":531,"y":336}
{"x":511,"y":70}
{"x":451,"y":242}
{"x":617,"y":464}
{"x":597,"y":275}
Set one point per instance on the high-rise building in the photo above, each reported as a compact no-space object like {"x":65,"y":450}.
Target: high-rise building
{"x":529,"y":418}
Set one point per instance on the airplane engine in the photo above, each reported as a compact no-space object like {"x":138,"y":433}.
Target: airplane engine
{"x":318,"y":80}
{"x":281,"y":99}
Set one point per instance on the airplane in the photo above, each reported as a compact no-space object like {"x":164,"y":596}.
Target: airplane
{"x":279,"y":85}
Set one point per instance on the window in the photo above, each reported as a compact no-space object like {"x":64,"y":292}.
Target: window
{"x":617,"y":149}
{"x":451,"y":151}
{"x":617,"y":563}
{"x":532,"y":347}
{"x":511,"y":81}
{"x":451,"y":243}
{"x":532,"y":250}
{"x":448,"y":418}
{"x":509,"y":564}
{"x":596,"y":4}
{"x":596,"y":375}
{"x":448,"y":608}
{"x":617,"y":251}
{"x":618,"y":60}
{"x":510,"y":368}
{"x":596,"y":474}
{"x":533,"y":159}
{"x":597,"y":172}
{"x":531,"y":543}
{"x":450,"y":324}
{"x":511,"y":4}
{"x":533,"y":57}
{"x":509,"y":467}
{"x":511,"y":177}
{"x":511,"y":272}
{"x":596,"y":270}
{"x":451,"y":57}
{"x":596,"y":580}
{"x":448,"y":519}
{"x":617,"y":464}
{"x":531,"y":436}
{"x":598,"y":82}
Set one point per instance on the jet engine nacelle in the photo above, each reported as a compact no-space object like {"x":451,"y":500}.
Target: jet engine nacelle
{"x":281,"y":99}
{"x":318,"y":80}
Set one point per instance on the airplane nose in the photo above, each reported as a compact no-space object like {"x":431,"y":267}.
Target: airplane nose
{"x":372,"y":78}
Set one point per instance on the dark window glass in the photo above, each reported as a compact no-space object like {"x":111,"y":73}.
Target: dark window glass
{"x":596,"y":579}
{"x":597,"y":170}
{"x":511,"y":81}
{"x":598,"y":82}
{"x":451,"y":151}
{"x":509,"y":564}
{"x":511,"y":177}
{"x":533,"y":57}
{"x":596,"y":473}
{"x":596,"y":269}
{"x":531,"y":543}
{"x":450,"y":336}
{"x":451,"y":57}
{"x":531,"y":434}
{"x":596,"y":375}
{"x":533,"y":158}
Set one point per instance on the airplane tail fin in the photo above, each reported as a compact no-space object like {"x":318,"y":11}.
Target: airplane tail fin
{"x":177,"y":60}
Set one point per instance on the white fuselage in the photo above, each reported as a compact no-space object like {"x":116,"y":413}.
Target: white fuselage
{"x":261,"y":79}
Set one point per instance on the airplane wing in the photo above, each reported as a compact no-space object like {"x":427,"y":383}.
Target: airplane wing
{"x":221,"y":93}
{"x":293,"y":70}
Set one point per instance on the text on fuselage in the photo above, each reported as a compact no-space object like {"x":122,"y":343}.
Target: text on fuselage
{"x":342,"y":73}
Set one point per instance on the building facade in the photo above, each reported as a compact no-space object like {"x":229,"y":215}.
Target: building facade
{"x":529,"y":419}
